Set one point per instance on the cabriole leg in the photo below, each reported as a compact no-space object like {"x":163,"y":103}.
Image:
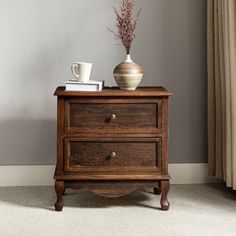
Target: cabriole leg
{"x":165,"y":185}
{"x":59,"y":188}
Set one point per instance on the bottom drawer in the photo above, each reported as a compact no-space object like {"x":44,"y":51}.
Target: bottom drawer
{"x":114,"y":154}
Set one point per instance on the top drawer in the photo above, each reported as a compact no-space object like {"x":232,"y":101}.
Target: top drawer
{"x":113,"y":116}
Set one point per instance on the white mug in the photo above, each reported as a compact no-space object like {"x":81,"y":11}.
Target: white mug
{"x":81,"y":70}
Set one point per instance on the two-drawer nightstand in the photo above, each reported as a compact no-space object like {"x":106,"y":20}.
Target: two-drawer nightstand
{"x":112,"y":142}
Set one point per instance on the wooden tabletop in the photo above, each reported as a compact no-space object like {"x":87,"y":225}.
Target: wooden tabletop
{"x":116,"y":92}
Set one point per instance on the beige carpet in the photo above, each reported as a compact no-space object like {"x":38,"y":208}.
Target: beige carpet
{"x":195,"y":210}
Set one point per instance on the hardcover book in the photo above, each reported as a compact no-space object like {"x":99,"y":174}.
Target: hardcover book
{"x":91,"y":85}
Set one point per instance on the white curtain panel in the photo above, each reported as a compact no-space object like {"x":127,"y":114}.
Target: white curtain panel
{"x":222,"y":90}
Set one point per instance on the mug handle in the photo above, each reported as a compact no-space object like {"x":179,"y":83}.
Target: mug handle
{"x":73,"y":70}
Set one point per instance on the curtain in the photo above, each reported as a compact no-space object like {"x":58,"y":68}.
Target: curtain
{"x":222,"y":90}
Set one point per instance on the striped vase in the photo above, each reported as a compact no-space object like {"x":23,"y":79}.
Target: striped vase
{"x":128,"y":74}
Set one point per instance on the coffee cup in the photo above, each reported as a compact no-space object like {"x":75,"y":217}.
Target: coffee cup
{"x":81,"y":71}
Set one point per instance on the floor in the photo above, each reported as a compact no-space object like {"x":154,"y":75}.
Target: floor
{"x":195,"y":210}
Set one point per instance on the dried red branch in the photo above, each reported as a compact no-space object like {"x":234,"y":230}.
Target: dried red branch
{"x":126,"y":24}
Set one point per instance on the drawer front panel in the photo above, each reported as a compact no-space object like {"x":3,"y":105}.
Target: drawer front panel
{"x":112,"y":118}
{"x":86,"y":155}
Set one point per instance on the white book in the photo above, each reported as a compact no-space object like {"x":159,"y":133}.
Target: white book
{"x":91,"y":85}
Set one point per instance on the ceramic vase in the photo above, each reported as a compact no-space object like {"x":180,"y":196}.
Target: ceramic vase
{"x":128,"y":74}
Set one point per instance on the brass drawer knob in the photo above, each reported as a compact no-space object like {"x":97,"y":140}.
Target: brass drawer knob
{"x":113,"y":154}
{"x":113,"y":117}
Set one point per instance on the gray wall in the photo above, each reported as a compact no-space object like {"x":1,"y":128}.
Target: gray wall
{"x":41,"y":39}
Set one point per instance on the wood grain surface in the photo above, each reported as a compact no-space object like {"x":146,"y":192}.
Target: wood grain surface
{"x":98,"y":155}
{"x":112,"y":142}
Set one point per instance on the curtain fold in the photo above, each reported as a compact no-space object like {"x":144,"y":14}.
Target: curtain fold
{"x":222,"y":90}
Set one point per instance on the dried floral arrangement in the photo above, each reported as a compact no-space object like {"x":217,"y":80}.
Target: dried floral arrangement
{"x":126,"y":23}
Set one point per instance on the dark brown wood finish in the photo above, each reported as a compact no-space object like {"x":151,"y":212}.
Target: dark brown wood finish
{"x":112,"y":142}
{"x":112,"y":154}
{"x":60,"y":132}
{"x":116,"y":92}
{"x":100,"y":116}
{"x":165,"y":185}
{"x":59,"y":188}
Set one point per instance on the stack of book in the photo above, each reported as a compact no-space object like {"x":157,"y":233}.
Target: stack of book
{"x":91,"y":85}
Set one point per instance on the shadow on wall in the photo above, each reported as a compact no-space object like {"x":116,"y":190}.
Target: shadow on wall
{"x":25,"y":141}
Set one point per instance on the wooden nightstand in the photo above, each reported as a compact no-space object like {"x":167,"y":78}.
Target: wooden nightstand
{"x":112,"y":142}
